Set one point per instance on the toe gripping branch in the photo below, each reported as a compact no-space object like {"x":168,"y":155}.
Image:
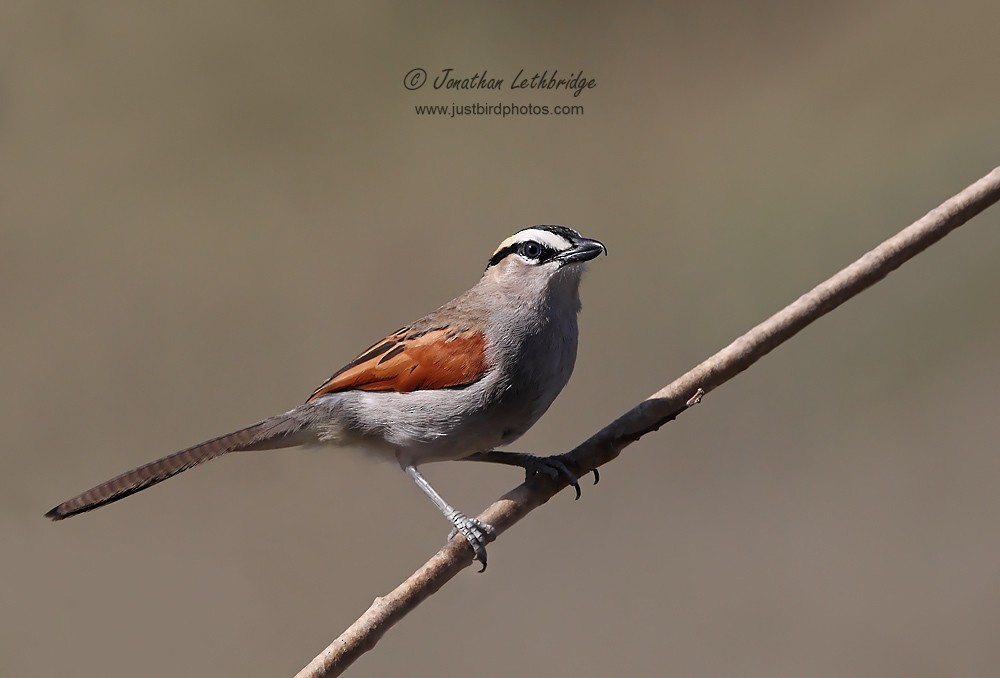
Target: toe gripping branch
{"x":476,"y":532}
{"x":554,"y":467}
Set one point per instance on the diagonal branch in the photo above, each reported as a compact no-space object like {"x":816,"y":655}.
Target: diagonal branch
{"x":658,"y":409}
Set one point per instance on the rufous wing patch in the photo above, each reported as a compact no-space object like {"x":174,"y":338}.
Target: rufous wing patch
{"x":403,"y":363}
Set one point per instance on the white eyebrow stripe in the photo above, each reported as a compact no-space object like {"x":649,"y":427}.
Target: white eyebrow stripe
{"x":553,"y":240}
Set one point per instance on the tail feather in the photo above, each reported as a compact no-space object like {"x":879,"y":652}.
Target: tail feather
{"x":268,"y":434}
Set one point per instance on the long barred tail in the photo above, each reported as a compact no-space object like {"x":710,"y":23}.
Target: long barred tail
{"x":269,"y":434}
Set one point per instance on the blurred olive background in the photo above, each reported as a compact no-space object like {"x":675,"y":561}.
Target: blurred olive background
{"x":205,"y":209}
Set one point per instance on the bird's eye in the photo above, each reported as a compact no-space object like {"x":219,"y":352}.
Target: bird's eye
{"x":530,"y":250}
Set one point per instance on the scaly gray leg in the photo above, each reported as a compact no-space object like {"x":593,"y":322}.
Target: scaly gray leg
{"x":476,"y":532}
{"x":554,"y":467}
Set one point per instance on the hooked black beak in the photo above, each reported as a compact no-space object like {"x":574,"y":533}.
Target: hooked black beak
{"x":584,"y":249}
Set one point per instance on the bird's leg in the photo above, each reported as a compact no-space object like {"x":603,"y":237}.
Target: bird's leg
{"x":554,"y":467}
{"x":476,"y":532}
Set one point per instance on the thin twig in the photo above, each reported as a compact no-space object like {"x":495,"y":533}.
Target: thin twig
{"x":658,"y":409}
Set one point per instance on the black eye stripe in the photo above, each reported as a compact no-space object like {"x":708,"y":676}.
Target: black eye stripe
{"x":545,"y":252}
{"x":536,"y":251}
{"x":501,"y":254}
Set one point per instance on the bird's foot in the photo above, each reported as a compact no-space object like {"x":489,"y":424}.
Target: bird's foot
{"x":476,"y":532}
{"x":554,"y":467}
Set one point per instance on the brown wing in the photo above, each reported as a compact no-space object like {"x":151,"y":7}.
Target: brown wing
{"x":406,"y":362}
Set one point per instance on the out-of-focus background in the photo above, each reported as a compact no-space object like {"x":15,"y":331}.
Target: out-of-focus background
{"x":207,"y":208}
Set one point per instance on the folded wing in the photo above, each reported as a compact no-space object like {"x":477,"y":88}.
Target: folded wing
{"x":407,"y":361}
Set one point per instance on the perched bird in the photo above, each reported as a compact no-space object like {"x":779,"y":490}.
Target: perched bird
{"x":473,"y":375}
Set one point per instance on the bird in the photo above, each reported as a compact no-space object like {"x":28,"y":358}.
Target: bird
{"x":473,"y":375}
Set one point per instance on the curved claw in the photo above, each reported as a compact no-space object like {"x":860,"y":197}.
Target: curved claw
{"x":597,"y":476}
{"x":476,"y":532}
{"x":553,"y":467}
